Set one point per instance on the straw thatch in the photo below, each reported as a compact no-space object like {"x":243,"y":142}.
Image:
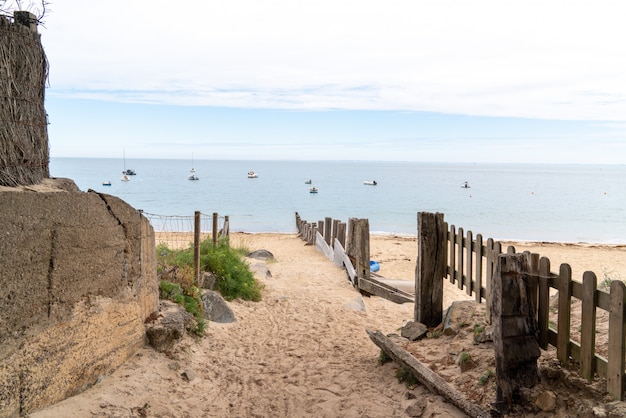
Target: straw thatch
{"x":24,"y":152}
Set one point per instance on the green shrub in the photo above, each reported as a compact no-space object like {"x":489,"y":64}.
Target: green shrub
{"x":189,"y":297}
{"x":234,"y":278}
{"x":384,"y":358}
{"x":407,"y":377}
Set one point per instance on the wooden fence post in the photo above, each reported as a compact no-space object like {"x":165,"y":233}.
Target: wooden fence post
{"x":430,"y":270}
{"x":478,"y":249}
{"x":514,"y":328}
{"x":588,"y":326}
{"x":564,"y":314}
{"x":196,"y":247}
{"x":543,"y":310}
{"x":617,"y":333}
{"x":359,"y":246}
{"x":341,"y":234}
{"x":327,"y":231}
{"x":214,"y":228}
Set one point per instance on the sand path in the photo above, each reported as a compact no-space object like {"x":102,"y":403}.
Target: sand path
{"x":302,"y":351}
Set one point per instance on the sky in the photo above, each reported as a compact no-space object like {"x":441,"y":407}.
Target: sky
{"x":473,"y":81}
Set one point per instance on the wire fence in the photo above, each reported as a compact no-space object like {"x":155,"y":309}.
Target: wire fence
{"x":177,"y":232}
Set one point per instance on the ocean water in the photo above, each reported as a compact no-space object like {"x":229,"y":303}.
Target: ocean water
{"x":533,"y":202}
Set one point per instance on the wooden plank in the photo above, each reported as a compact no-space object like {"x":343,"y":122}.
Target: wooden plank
{"x":323,"y":247}
{"x":543,"y":310}
{"x":460,"y":262}
{"x":588,"y":328}
{"x":452,"y":254}
{"x":617,"y":333}
{"x":469,"y":264}
{"x":374,"y":287}
{"x":425,"y":376}
{"x":564,"y":314}
{"x":478,"y":249}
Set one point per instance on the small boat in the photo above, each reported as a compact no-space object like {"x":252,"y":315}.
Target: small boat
{"x":252,"y":175}
{"x":129,"y":171}
{"x":465,"y":185}
{"x":192,"y":176}
{"x":125,"y":177}
{"x":370,"y":182}
{"x":106,"y":183}
{"x":313,"y":189}
{"x":309,"y":181}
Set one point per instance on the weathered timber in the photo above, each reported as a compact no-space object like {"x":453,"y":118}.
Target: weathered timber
{"x":617,"y":333}
{"x":328,"y":222}
{"x":358,"y":247}
{"x":430,"y":269}
{"x":377,"y":288}
{"x":427,"y":377}
{"x":514,"y":328}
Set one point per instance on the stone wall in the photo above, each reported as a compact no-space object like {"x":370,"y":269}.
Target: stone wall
{"x":77,"y":280}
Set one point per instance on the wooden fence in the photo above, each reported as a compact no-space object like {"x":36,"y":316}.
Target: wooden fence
{"x":330,"y":237}
{"x":469,"y":262}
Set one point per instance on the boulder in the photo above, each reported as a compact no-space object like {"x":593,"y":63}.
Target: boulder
{"x":215,"y":308}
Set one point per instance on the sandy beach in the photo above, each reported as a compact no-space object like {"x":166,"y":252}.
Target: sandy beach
{"x":303,"y":350}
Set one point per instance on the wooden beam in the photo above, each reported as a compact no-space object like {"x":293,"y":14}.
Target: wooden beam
{"x":427,"y":377}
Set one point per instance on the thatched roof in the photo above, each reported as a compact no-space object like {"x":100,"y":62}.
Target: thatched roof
{"x":24,"y":152}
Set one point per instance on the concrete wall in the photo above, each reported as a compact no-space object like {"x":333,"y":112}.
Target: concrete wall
{"x":77,"y":280}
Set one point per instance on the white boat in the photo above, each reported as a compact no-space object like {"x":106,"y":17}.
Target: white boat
{"x":252,"y":175}
{"x":465,"y":185}
{"x":192,"y":176}
{"x":106,"y":183}
{"x":370,"y":182}
{"x":313,"y":189}
{"x":125,"y":177}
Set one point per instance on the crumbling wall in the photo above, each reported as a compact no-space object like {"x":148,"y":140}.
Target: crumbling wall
{"x":77,"y":280}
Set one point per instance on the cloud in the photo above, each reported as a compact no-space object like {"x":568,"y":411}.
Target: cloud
{"x":491,"y":58}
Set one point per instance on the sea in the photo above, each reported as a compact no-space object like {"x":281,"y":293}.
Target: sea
{"x":525,"y":202}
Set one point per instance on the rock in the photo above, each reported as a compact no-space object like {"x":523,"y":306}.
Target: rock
{"x":170,"y":326}
{"x":413,"y":330}
{"x":261,"y":255}
{"x":260,"y":269}
{"x":417,"y":409}
{"x":215,"y":308}
{"x":208,"y":280}
{"x":188,"y":375}
{"x":483,"y":336}
{"x":546,"y":401}
{"x":459,"y":314}
{"x":357,"y":305}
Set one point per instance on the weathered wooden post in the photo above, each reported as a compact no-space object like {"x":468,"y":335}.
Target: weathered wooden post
{"x":328,"y":231}
{"x":215,"y":228}
{"x":359,"y":246}
{"x":514,"y":328}
{"x":341,"y":234}
{"x":196,"y":248}
{"x":430,"y":269}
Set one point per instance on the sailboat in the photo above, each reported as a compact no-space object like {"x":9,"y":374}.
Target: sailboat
{"x":127,"y":172}
{"x":192,"y":175}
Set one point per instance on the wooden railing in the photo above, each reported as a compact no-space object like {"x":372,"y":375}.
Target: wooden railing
{"x":469,"y":263}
